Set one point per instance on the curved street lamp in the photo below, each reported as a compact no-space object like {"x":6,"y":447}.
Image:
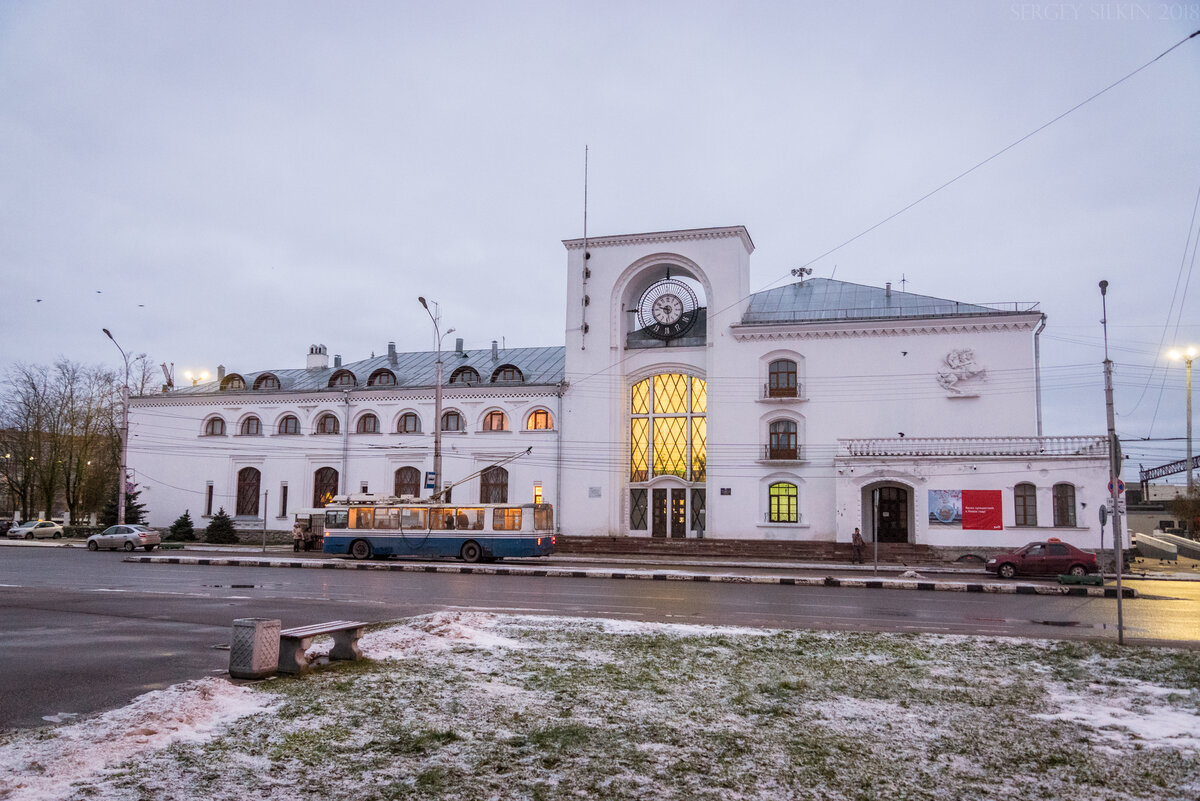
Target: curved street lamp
{"x":124,"y":431}
{"x":437,"y":401}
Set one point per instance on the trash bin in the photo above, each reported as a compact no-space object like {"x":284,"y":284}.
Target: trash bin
{"x":254,"y":648}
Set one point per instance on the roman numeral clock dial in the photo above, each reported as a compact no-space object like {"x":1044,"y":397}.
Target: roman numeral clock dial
{"x":667,"y":309}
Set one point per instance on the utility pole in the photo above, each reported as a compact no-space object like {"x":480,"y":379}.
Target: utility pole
{"x":1114,"y":464}
{"x":437,"y":402}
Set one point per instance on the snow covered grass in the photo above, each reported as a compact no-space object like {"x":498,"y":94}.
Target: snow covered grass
{"x":482,"y":706}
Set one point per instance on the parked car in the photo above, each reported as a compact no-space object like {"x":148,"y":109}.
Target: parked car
{"x":36,"y":529}
{"x":128,"y":536}
{"x":1050,"y":558}
{"x":5,"y":525}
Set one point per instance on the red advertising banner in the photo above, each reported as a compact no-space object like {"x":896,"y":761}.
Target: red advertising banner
{"x":982,"y":510}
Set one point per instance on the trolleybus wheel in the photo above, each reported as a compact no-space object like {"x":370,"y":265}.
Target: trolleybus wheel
{"x":471,"y":552}
{"x":360,"y":549}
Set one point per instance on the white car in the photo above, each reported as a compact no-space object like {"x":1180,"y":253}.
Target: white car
{"x":36,"y":529}
{"x":129,"y":536}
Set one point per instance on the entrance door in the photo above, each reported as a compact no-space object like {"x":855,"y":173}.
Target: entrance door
{"x":658,"y":513}
{"x":678,"y":513}
{"x":891,"y":514}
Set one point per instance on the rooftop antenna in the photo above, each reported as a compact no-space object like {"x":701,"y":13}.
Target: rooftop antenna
{"x":587,"y":272}
{"x":903,"y":281}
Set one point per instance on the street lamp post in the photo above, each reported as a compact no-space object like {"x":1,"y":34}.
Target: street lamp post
{"x":124,"y":432}
{"x":437,"y":403}
{"x":1187,"y":356}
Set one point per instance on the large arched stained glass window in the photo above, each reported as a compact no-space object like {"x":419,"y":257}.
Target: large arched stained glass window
{"x":668,"y":427}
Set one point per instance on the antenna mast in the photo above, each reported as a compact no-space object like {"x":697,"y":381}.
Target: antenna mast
{"x":587,"y":272}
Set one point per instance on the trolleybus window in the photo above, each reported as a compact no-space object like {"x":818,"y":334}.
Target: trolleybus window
{"x":469,"y":519}
{"x":506,"y":520}
{"x":362,"y":518}
{"x":543,"y":517}
{"x":336,"y":518}
{"x":388,"y":519}
{"x":412,"y":518}
{"x":441,"y":519}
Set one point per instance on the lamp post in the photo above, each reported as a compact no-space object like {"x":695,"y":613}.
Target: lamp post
{"x":124,"y":431}
{"x":437,"y":402}
{"x":1187,"y":355}
{"x":196,"y":377}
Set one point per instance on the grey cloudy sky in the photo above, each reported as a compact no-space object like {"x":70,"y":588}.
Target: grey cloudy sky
{"x":228,"y":182}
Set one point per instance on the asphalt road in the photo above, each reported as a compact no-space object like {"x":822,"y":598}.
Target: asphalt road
{"x":86,"y":632}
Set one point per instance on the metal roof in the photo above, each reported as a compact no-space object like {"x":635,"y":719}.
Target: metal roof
{"x":539,"y":366}
{"x":827,"y":299}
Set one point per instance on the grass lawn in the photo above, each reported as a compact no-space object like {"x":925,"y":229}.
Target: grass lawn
{"x":484,"y":706}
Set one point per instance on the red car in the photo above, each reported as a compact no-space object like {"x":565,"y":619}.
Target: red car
{"x":1050,"y":558}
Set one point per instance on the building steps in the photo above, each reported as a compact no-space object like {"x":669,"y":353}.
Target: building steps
{"x":892,"y":553}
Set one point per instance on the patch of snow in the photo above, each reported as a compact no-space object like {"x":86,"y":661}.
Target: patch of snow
{"x":37,"y":768}
{"x":1120,"y":717}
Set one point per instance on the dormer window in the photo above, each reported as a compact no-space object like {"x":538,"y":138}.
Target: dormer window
{"x":233,"y":382}
{"x":343,"y":378}
{"x":507,"y":373}
{"x":266,"y":381}
{"x":382,"y":378}
{"x":465,"y":375}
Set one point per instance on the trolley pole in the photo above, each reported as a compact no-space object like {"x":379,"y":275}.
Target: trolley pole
{"x":1114,"y":466}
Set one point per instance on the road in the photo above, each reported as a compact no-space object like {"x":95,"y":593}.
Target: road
{"x":85,"y":632}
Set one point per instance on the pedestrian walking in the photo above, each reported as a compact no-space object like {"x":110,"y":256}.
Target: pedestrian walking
{"x":857,"y":542}
{"x":297,"y":535}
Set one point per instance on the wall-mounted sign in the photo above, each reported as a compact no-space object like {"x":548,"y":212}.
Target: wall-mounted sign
{"x":430,"y":480}
{"x":726,"y":490}
{"x":971,"y":510}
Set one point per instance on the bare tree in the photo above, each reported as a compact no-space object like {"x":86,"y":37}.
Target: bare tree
{"x":86,"y":397}
{"x":24,"y":414}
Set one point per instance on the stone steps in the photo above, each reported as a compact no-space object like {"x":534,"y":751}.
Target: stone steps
{"x":897,"y":553}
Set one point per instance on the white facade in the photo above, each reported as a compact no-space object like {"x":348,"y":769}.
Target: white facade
{"x":798,"y":413}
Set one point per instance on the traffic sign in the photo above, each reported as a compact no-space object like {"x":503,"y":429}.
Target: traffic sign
{"x":1120,"y":487}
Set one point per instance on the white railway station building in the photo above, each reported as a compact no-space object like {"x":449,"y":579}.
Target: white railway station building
{"x":681,"y":405}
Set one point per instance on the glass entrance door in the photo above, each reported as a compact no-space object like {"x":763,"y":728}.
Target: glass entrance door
{"x":891,"y":514}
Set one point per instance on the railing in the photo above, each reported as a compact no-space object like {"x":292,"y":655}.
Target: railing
{"x":975,"y":446}
{"x":928,"y":310}
{"x":782,"y":392}
{"x":783,"y":453}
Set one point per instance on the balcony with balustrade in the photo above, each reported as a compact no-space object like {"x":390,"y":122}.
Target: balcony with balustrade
{"x":974,"y":447}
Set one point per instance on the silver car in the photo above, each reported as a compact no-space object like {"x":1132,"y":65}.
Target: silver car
{"x":128,"y":537}
{"x":39,"y":529}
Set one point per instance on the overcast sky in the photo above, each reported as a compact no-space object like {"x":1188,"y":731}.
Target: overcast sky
{"x":229,"y":182}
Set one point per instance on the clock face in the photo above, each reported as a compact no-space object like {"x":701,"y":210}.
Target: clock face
{"x":667,"y":309}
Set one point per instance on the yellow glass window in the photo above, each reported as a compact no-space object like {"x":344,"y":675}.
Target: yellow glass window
{"x":640,"y":464}
{"x":699,"y":396}
{"x":783,"y":503}
{"x":699,"y":448}
{"x":506,"y":520}
{"x":670,"y":393}
{"x":362,"y":518}
{"x":641,"y":397}
{"x":670,"y":446}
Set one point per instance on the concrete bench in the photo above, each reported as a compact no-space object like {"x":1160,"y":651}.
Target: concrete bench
{"x":295,"y":641}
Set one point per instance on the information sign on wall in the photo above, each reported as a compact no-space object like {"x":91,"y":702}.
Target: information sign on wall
{"x":982,"y":510}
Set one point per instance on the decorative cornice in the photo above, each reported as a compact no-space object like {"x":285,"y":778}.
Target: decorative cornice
{"x":687,"y":235}
{"x":321,"y":397}
{"x":825,"y":329}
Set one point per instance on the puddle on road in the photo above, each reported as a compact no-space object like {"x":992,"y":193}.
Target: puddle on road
{"x":242,"y":586}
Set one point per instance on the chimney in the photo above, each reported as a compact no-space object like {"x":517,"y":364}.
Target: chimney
{"x":458,"y":346}
{"x":337,"y":360}
{"x":220,"y":372}
{"x":318,"y":358}
{"x":888,"y":289}
{"x":495,"y":351}
{"x":392,"y":359}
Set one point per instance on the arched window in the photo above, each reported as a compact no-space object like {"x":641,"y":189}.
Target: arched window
{"x":251,"y":427}
{"x":342,"y":378}
{"x":289,"y":425}
{"x":464,"y":375}
{"x":266,"y":381}
{"x":325,"y":486}
{"x":495,"y":421}
{"x":327,"y":424}
{"x":233,"y":381}
{"x":408,"y":482}
{"x":783,"y":497}
{"x":507,"y":373}
{"x":382,"y":378}
{"x":1064,"y":505}
{"x":452,"y":421}
{"x":783,"y":441}
{"x":409,"y":424}
{"x":368,"y":424}
{"x":1025,"y":505}
{"x":247,"y":492}
{"x":215,"y":427}
{"x":668,"y":427}
{"x":781,"y":379}
{"x":540,"y":420}
{"x":493,"y":485}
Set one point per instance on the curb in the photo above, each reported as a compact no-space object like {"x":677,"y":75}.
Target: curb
{"x":650,"y":575}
